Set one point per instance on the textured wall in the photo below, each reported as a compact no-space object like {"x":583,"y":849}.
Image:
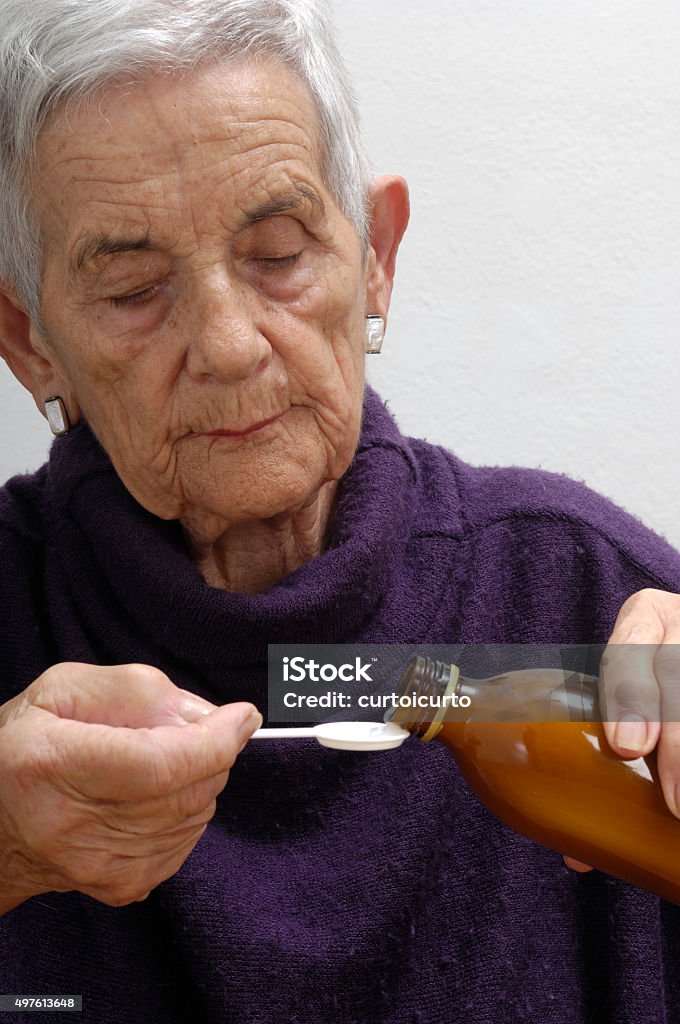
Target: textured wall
{"x":537,"y":310}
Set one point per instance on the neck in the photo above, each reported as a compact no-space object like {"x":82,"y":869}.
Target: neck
{"x":250,"y":557}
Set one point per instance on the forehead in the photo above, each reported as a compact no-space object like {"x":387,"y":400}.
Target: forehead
{"x":148,"y":151}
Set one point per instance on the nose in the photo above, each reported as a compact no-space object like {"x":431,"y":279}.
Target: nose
{"x":224,"y":342}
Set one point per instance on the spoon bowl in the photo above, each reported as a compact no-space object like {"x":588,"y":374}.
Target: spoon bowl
{"x":343,"y":735}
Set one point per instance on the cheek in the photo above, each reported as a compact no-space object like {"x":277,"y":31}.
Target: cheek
{"x":131,"y":389}
{"x":324,"y":361}
{"x":127,"y":405}
{"x":131,"y":411}
{"x":321,"y":339}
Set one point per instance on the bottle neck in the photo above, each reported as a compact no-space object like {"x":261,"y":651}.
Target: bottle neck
{"x":432,"y":688}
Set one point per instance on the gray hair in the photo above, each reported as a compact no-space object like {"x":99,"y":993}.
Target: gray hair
{"x":55,"y":52}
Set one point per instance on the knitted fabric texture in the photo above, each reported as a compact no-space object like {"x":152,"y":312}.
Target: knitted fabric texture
{"x":332,"y":886}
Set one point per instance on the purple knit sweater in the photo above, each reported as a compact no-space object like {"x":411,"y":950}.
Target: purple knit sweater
{"x":332,"y":886}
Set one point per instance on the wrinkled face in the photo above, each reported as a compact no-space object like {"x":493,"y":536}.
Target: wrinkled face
{"x":203,"y":296}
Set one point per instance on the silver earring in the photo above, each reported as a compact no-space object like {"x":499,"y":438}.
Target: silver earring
{"x":57,"y":417}
{"x":375,"y":333}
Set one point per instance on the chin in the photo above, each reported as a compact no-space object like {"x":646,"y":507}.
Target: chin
{"x":249,"y":482}
{"x":261,"y":497}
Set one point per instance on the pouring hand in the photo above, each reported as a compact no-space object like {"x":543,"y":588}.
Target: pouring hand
{"x":640,"y":688}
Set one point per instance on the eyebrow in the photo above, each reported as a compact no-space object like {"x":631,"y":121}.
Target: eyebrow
{"x":98,"y":246}
{"x":283,"y":204}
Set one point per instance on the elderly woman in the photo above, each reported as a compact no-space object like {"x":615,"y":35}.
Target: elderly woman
{"x":194,"y":262}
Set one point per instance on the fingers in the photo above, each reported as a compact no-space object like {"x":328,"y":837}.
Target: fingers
{"x":667,"y":669}
{"x":668,"y":762}
{"x":104,"y":763}
{"x":161,"y":813}
{"x":134,"y":696}
{"x":630,"y":698}
{"x":129,"y":882}
{"x":191,"y":707}
{"x":576,"y":865}
{"x":111,"y":776}
{"x":640,"y":683}
{"x":630,"y":695}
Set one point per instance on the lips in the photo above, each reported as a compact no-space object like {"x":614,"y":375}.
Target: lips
{"x":244,"y":431}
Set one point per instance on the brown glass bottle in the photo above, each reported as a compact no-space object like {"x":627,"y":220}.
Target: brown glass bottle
{"x":533,"y":750}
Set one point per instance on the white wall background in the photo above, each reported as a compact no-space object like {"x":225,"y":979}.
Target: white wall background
{"x":536,"y":318}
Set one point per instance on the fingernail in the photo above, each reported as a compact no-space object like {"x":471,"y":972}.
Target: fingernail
{"x":631,"y":732}
{"x":251,"y":721}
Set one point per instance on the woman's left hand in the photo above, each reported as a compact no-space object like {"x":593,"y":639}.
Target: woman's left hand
{"x":640,"y":688}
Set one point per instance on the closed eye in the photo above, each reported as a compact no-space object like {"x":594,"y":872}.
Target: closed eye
{"x":277,"y":263}
{"x":136,"y":299}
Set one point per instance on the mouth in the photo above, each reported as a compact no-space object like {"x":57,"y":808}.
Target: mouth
{"x":254,"y":428}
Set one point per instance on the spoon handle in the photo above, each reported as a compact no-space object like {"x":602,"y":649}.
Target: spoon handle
{"x":280,"y":734}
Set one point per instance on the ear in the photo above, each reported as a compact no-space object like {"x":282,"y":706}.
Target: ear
{"x":28,"y":355}
{"x":388,"y":197}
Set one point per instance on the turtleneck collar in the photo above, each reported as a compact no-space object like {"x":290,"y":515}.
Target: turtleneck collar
{"x":126,"y":571}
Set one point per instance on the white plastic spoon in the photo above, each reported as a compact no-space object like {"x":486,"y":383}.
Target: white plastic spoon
{"x":342,"y":735}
